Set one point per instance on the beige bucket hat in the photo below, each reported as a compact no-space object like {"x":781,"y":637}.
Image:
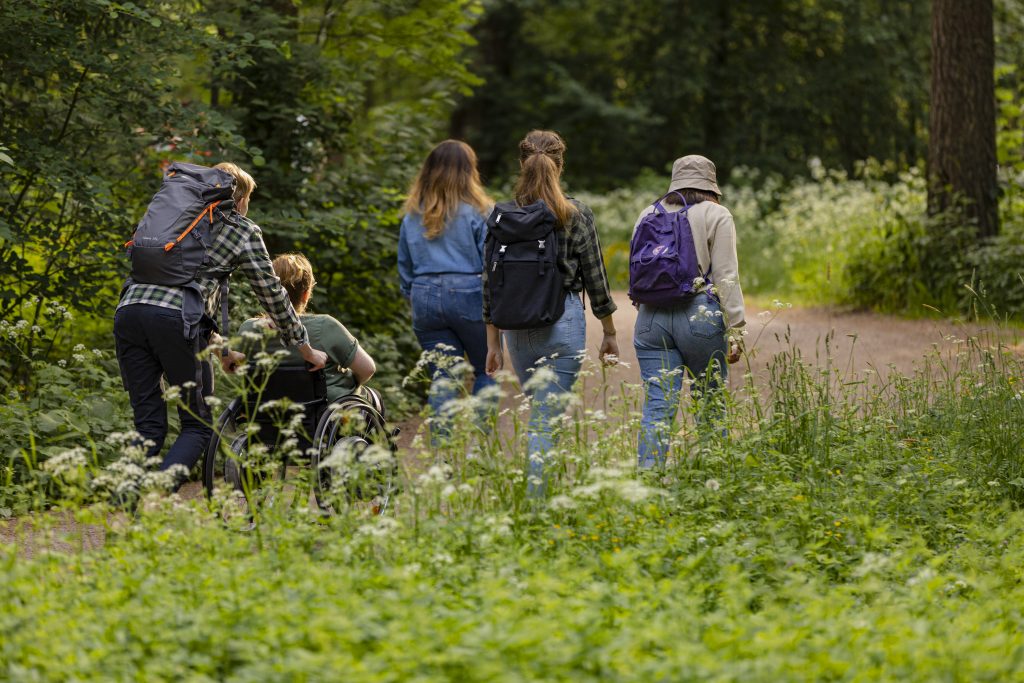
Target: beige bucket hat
{"x":696,"y":172}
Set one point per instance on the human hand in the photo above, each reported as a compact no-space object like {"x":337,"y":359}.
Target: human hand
{"x":231,"y":360}
{"x":609,"y":351}
{"x":317,"y":359}
{"x":495,"y":361}
{"x":735,"y":350}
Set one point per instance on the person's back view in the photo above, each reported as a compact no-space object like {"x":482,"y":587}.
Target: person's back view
{"x":162,"y":329}
{"x":685,"y":335}
{"x":557,"y":340}
{"x":440,"y":261}
{"x":348,"y":366}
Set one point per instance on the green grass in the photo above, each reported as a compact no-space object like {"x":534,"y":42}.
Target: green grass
{"x":846,"y":529}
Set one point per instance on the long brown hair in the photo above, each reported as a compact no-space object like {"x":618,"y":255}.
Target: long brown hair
{"x":541,"y":158}
{"x":448,"y":176}
{"x":692,"y":196}
{"x":296,"y":274}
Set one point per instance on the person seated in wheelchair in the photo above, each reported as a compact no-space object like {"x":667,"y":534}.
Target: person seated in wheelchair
{"x":349,"y":366}
{"x":341,"y":394}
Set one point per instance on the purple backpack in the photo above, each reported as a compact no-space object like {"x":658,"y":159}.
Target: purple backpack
{"x":662,"y":259}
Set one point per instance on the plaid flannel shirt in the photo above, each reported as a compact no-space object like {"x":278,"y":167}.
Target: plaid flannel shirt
{"x":581,"y":263}
{"x":238,"y":246}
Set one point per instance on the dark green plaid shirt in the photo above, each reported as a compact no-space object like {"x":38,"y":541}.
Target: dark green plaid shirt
{"x":236,"y":247}
{"x":581,"y":263}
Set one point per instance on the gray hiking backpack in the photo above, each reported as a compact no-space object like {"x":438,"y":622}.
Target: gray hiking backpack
{"x":170,"y":243}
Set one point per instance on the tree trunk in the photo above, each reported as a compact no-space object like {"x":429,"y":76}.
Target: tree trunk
{"x":962,"y":129}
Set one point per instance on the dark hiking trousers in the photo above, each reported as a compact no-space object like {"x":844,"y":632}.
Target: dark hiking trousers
{"x":150,"y":342}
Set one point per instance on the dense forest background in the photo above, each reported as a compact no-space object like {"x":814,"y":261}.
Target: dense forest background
{"x":333,"y":104}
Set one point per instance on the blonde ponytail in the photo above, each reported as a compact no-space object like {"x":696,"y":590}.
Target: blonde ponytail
{"x":541,"y":158}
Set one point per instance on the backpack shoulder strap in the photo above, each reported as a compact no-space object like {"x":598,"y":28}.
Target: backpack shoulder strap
{"x":661,"y":209}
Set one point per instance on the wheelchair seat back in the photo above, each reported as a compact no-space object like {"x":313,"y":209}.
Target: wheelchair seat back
{"x":296,"y":384}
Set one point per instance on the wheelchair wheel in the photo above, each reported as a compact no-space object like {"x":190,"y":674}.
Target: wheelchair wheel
{"x":226,"y":454}
{"x":215,"y":459}
{"x":354,"y":452}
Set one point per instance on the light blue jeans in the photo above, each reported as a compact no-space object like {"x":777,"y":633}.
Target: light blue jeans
{"x":447,"y":316}
{"x":686,"y":340}
{"x":559,"y":350}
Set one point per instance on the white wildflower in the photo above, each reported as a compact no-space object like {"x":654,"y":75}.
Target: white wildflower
{"x":378,"y":527}
{"x":66,"y":462}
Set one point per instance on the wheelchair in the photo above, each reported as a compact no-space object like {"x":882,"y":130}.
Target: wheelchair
{"x":347,"y":443}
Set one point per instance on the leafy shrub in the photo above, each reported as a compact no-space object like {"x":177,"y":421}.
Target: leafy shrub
{"x":862,"y":240}
{"x":846,"y":530}
{"x":49,"y":407}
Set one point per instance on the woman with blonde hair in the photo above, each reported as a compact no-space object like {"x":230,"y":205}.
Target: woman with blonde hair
{"x":558,"y":348}
{"x":348,"y":365}
{"x":440,"y":260}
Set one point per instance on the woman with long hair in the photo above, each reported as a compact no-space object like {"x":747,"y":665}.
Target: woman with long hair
{"x":690,"y":338}
{"x":553,"y":355}
{"x":440,"y":261}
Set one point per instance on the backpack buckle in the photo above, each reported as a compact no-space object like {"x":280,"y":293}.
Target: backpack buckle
{"x":540,"y":244}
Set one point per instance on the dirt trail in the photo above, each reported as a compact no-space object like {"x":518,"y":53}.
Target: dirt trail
{"x":861,"y":341}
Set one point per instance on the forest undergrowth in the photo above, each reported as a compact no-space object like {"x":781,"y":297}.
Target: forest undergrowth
{"x":845,"y":528}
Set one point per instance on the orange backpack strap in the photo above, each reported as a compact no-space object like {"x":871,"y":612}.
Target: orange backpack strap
{"x":208,"y":210}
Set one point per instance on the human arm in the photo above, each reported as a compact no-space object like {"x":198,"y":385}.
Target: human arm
{"x":363,"y":366}
{"x":405,"y":266}
{"x":586,"y":248}
{"x":495,"y":356}
{"x":609,"y":349}
{"x":254,"y":262}
{"x":343,"y":349}
{"x":480,"y":234}
{"x":725,"y":273}
{"x":486,"y":313}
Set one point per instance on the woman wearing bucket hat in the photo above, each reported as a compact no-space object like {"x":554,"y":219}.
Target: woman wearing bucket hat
{"x":690,"y":339}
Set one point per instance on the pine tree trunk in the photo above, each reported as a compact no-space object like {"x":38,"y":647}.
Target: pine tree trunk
{"x":962,"y":130}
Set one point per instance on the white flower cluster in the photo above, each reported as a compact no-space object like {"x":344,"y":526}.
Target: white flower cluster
{"x":67,"y":464}
{"x":615,"y":481}
{"x":706,"y":314}
{"x":378,"y":527}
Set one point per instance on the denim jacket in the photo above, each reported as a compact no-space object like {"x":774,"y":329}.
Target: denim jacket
{"x":459,"y":249}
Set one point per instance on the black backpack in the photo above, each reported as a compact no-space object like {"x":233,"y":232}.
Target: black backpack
{"x":170,"y":243}
{"x":523,"y":279}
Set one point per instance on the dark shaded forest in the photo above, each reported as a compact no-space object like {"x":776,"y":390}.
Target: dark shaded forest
{"x":333,"y":104}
